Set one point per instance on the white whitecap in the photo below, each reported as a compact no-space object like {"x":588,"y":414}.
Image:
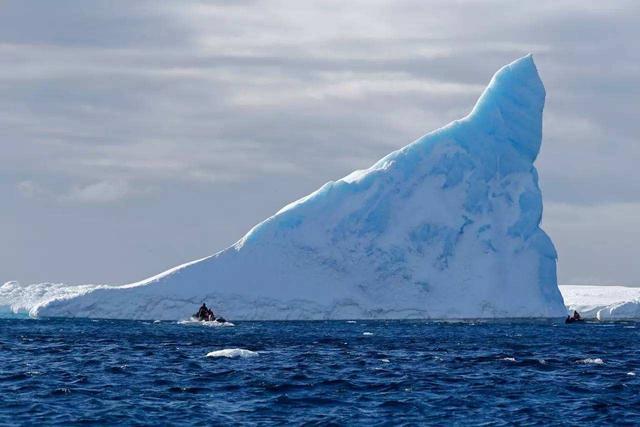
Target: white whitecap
{"x":367,"y":333}
{"x":590,"y":361}
{"x":509,"y":359}
{"x":232,"y":353}
{"x":631,"y":374}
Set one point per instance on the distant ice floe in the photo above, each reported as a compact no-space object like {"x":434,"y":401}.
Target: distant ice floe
{"x":603,"y":302}
{"x":232,"y":353}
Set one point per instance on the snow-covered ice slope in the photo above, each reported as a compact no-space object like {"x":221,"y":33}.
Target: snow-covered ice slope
{"x":446,"y":227}
{"x":603,"y":302}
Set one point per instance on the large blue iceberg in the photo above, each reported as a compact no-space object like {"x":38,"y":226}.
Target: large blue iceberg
{"x":446,"y":227}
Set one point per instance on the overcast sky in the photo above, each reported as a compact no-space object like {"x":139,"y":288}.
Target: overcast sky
{"x":139,"y":135}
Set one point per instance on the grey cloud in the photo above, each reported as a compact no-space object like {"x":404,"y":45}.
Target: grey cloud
{"x":205,"y":117}
{"x":101,"y":23}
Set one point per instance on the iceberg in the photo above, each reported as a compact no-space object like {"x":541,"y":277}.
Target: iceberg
{"x":446,"y":227}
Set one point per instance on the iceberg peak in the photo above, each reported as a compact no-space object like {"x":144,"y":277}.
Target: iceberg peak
{"x":511,"y":106}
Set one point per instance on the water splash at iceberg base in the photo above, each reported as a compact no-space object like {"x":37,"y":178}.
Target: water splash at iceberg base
{"x":446,"y":227}
{"x":19,"y":299}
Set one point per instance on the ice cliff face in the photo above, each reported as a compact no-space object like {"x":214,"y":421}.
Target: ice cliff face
{"x":446,"y":227}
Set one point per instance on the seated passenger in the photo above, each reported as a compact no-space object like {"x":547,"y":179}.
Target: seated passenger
{"x":203,"y":312}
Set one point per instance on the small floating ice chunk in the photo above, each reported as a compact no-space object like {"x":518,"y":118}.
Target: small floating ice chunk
{"x":156,"y":321}
{"x":385,"y":360}
{"x":232,"y":353}
{"x":590,"y":361}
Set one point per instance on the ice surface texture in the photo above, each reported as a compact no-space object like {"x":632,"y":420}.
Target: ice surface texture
{"x":446,"y":227}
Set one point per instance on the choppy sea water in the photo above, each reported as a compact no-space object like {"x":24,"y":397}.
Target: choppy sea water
{"x":364,"y":372}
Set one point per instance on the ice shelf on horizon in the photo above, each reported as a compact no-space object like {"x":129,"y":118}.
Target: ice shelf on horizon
{"x":603,"y":302}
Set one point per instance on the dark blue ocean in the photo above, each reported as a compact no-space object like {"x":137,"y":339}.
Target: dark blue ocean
{"x":367,"y":373}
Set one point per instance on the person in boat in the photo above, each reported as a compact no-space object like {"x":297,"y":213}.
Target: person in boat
{"x":203,"y":312}
{"x":573,"y":318}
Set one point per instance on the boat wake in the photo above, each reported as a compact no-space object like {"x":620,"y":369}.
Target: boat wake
{"x":213,"y":324}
